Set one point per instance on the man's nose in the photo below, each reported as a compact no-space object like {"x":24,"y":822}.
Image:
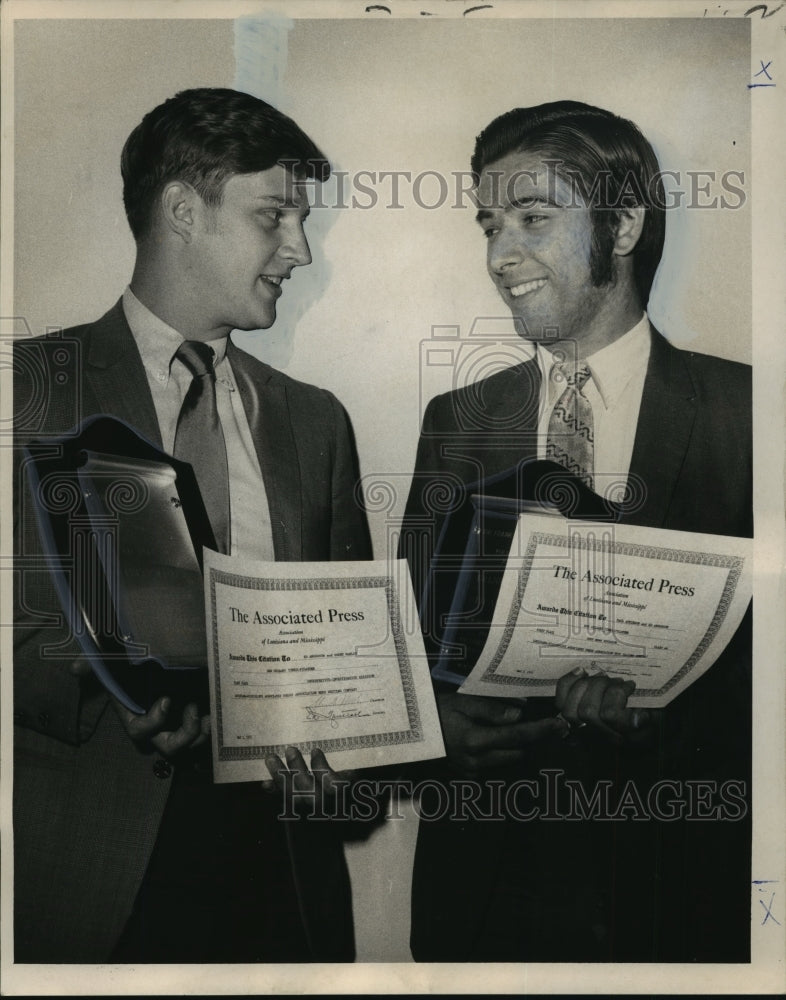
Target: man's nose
{"x":294,"y":247}
{"x":506,"y":251}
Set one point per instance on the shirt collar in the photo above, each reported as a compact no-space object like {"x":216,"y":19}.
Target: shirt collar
{"x":613,"y":366}
{"x":157,"y":341}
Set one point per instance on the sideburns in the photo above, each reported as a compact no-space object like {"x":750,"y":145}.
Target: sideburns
{"x":603,"y":270}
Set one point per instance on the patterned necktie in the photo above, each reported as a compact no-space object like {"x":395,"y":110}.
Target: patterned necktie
{"x":199,"y":439}
{"x":571,"y":439}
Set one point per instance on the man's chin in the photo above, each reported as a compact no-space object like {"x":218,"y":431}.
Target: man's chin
{"x":530,"y":329}
{"x":258,"y":323}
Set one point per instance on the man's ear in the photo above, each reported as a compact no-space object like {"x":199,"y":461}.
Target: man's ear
{"x":178,"y":204}
{"x":629,"y":227}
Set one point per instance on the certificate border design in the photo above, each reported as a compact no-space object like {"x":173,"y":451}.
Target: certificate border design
{"x":734,"y":564}
{"x":245,"y":753}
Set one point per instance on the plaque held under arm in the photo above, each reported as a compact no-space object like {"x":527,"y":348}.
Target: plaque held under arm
{"x":122,"y":526}
{"x":472,"y":550}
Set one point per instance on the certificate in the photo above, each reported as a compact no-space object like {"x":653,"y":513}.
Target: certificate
{"x":314,"y":655}
{"x":644,"y":604}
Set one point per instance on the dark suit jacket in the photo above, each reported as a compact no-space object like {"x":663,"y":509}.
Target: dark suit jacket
{"x":87,"y":803}
{"x":692,"y":460}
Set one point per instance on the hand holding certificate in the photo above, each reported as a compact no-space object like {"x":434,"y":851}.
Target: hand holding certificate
{"x":315,"y":655}
{"x":647,"y":605}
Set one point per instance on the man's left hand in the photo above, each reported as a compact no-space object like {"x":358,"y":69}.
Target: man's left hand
{"x":601,"y":702}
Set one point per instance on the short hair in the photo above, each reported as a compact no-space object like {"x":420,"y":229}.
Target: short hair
{"x":203,"y":136}
{"x":589,"y":143}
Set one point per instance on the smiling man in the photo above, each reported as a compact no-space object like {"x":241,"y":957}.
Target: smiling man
{"x":125,"y":850}
{"x":571,"y":206}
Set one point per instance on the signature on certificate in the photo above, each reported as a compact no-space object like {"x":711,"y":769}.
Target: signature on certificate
{"x":331,"y":715}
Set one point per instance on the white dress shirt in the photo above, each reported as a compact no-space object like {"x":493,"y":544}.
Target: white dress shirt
{"x":614,"y":390}
{"x":169,"y":379}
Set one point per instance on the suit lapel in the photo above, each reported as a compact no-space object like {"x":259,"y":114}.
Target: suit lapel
{"x":497,"y":420}
{"x":519,"y":400}
{"x":267,"y":410}
{"x":116,"y":375}
{"x":665,"y":426}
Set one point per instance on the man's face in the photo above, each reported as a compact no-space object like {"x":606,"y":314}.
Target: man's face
{"x":539,"y":236}
{"x":248,"y":246}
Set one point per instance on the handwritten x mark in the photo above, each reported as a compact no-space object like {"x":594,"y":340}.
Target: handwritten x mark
{"x":768,"y":914}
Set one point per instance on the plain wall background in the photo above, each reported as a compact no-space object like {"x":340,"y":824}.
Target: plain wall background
{"x":377,"y":95}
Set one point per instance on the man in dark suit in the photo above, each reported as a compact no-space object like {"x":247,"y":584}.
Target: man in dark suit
{"x":571,"y":204}
{"x":125,"y":850}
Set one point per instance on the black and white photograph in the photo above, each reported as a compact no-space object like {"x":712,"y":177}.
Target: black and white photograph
{"x":393,"y":497}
